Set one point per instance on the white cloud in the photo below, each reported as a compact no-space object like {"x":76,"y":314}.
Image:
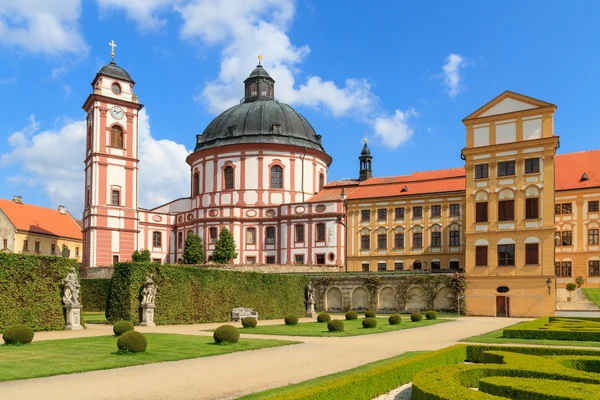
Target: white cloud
{"x":42,"y":26}
{"x":58,"y":72}
{"x":8,"y":81}
{"x":452,"y":78}
{"x":143,"y":12}
{"x":53,"y":161}
{"x":396,"y":129}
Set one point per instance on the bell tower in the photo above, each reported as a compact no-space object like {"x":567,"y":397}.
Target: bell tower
{"x":365,"y":163}
{"x":110,"y":216}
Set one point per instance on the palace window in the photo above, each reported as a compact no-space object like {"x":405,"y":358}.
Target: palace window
{"x":417,"y":240}
{"x":532,"y":165}
{"x":506,"y":254}
{"x":481,"y":212}
{"x":25,"y":245}
{"x":4,"y":244}
{"x":436,"y":239}
{"x":594,"y":267}
{"x":276,"y":177}
{"x":382,"y":242}
{"x":563,"y":208}
{"x":454,"y":210}
{"x":157,"y":239}
{"x":381,"y":267}
{"x":115,"y":199}
{"x":270,"y":234}
{"x":321,"y":181}
{"x":270,"y":260}
{"x":399,"y":212}
{"x":417,"y":265}
{"x":365,"y":242}
{"x":37,"y":246}
{"x":365,"y":215}
{"x":398,"y":266}
{"x":399,"y":240}
{"x":116,"y":137}
{"x":299,"y":233}
{"x":320,"y":232}
{"x":364,"y":267}
{"x":481,"y":256}
{"x":436,"y":265}
{"x":592,"y":236}
{"x":593,"y":206}
{"x":53,"y":248}
{"x":563,"y":268}
{"x":481,"y":171}
{"x":454,"y":238}
{"x":115,"y":258}
{"x":506,"y":168}
{"x":228,"y":172}
{"x":531,"y":254}
{"x":179,"y":240}
{"x":454,"y":265}
{"x":532,"y":208}
{"x":213,"y":234}
{"x":76,"y":251}
{"x":506,"y":210}
{"x":251,"y":236}
{"x":381,"y":214}
{"x":566,"y":238}
{"x":250,"y":260}
{"x":436,"y":211}
{"x":320,"y":259}
{"x":418,"y":212}
{"x":299,"y":258}
{"x":196,"y":184}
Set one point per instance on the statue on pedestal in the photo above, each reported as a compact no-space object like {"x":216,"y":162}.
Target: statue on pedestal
{"x":71,"y":300}
{"x":148,"y":295}
{"x":310,"y":300}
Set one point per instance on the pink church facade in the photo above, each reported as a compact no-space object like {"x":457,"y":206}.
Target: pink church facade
{"x":255,"y":169}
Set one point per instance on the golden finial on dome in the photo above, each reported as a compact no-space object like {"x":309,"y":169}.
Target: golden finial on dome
{"x":259,"y":58}
{"x":366,"y":140}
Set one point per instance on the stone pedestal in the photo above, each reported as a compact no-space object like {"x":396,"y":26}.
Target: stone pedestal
{"x":310,"y":309}
{"x":148,"y":315}
{"x":73,"y":317}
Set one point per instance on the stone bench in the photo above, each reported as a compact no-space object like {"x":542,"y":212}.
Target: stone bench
{"x":238,"y":313}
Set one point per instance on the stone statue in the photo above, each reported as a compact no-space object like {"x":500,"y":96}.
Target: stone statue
{"x":148,"y":292}
{"x":310,"y":293}
{"x":71,"y":289}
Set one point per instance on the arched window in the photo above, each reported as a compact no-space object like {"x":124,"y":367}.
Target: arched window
{"x":196,"y":184}
{"x":228,"y":172}
{"x":270,"y":234}
{"x":321,"y":181}
{"x":251,"y":236}
{"x":115,"y":199}
{"x":417,"y":265}
{"x":276,"y":177}
{"x":320,"y":232}
{"x":116,"y":137}
{"x":156,"y":239}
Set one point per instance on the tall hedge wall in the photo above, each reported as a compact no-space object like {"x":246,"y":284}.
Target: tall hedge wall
{"x":30,"y":290}
{"x":94,"y":294}
{"x":192,"y":295}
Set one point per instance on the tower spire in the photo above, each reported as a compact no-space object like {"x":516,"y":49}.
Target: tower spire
{"x":365,"y":162}
{"x":112,"y":45}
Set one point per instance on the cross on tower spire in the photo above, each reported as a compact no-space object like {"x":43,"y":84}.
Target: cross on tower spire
{"x":112,"y":50}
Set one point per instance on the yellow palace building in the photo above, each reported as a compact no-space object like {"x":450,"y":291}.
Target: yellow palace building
{"x":518,"y":219}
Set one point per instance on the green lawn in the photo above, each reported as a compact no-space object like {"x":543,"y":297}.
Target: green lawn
{"x":94,"y":317}
{"x":66,"y":356}
{"x":351,"y":328}
{"x":592,"y":295}
{"x":496,"y":337}
{"x":328,"y":378}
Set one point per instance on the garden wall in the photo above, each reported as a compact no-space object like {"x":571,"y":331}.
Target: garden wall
{"x":198,"y":295}
{"x":94,"y":294}
{"x":30,"y":290}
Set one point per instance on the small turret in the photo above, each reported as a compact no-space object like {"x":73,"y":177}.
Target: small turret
{"x":365,"y":163}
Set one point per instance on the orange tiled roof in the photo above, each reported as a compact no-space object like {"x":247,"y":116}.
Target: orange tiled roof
{"x":35,"y":219}
{"x":455,"y":184}
{"x":570,"y":168}
{"x":333,"y":190}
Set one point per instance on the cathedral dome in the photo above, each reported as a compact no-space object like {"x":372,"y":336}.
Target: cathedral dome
{"x":113,"y":70}
{"x":259,"y":119}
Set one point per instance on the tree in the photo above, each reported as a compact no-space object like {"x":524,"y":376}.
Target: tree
{"x":193,"y":250}
{"x":570,"y":288}
{"x":141,"y":256}
{"x":225,"y":248}
{"x":580,"y":280}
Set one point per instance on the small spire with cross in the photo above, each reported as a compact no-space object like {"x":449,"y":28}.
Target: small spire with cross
{"x":112,"y":50}
{"x":259,"y":58}
{"x":366,"y":140}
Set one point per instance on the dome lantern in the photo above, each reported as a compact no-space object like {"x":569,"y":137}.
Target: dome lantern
{"x":259,"y":85}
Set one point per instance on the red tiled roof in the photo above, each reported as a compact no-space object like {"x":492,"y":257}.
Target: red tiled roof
{"x":414,"y":187}
{"x":570,"y":168}
{"x":30,"y":218}
{"x":417,"y":176}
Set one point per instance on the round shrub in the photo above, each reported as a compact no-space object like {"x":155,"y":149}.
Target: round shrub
{"x":350,"y":315}
{"x":335,"y":325}
{"x":226,"y":334}
{"x":249,"y":322}
{"x":291,"y":320}
{"x":431,"y":315}
{"x":394,"y":319}
{"x":121,"y":327}
{"x":416,"y":317}
{"x":323,"y":317}
{"x":18,"y":334}
{"x":370,"y":314}
{"x":132,"y":342}
{"x":369,"y":323}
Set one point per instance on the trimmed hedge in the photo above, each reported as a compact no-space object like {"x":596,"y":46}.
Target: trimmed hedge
{"x":527,"y":388}
{"x":94,"y":294}
{"x":120,"y":327}
{"x":368,"y":323}
{"x":556,"y":328}
{"x":431,"y":315}
{"x":370,"y":314}
{"x":132,"y":342}
{"x":351,"y":315}
{"x":291,"y":320}
{"x":30,"y":290}
{"x":194,"y":295}
{"x":226,"y":334}
{"x":416,"y":317}
{"x":18,"y":334}
{"x":394,"y":319}
{"x":475,"y":353}
{"x":323,"y":317}
{"x":335,"y":325}
{"x":249,"y":322}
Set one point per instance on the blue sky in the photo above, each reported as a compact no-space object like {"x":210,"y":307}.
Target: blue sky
{"x":405,"y":73}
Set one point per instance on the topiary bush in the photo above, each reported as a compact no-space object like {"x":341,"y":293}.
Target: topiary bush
{"x":291,"y":320}
{"x":416,"y":317}
{"x":18,"y":334}
{"x":431,"y":315}
{"x":226,"y":334}
{"x":370,"y":314}
{"x":132,"y":342}
{"x":350,"y":315}
{"x":335,"y":325}
{"x":394,"y":319}
{"x":369,"y":323}
{"x":249,"y":322}
{"x":323,"y":317}
{"x":120,"y":327}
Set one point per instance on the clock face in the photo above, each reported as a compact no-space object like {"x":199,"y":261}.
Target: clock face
{"x":116,"y":112}
{"x":116,"y":88}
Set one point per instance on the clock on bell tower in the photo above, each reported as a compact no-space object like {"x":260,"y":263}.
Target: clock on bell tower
{"x":110,"y":216}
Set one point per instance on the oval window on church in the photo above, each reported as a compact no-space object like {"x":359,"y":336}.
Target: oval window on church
{"x":502,"y":289}
{"x":116,"y":88}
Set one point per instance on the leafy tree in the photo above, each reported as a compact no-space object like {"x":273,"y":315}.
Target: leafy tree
{"x":580,"y":280}
{"x":141,"y":256}
{"x":225,"y":248}
{"x":571,"y":288}
{"x":193,"y":250}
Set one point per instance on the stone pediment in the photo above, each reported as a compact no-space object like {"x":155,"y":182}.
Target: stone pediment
{"x":507,"y":103}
